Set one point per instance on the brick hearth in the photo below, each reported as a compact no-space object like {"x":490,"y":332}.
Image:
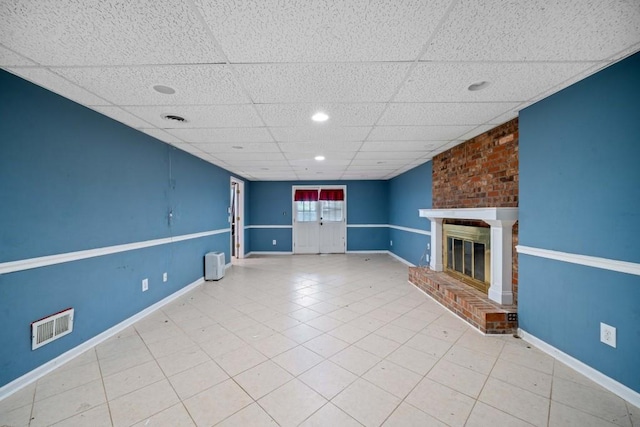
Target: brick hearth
{"x":468,"y":303}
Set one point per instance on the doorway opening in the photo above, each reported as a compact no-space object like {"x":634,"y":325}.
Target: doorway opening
{"x":236,"y":218}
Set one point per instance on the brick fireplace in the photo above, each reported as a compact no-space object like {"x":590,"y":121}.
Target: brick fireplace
{"x":476,"y":184}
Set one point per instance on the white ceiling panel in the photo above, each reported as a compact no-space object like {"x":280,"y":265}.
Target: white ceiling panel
{"x":536,"y":30}
{"x":443,"y":113}
{"x":320,"y":133}
{"x":257,"y":164}
{"x":417,"y":133}
{"x":396,"y":155}
{"x":161,"y":135}
{"x":330,"y":156}
{"x":338,"y":82}
{"x":200,"y":116}
{"x":385,"y":146}
{"x":72,"y":32}
{"x":355,"y":30}
{"x":392,"y":75}
{"x":339,"y":114}
{"x":122,"y":116}
{"x":235,"y":156}
{"x":319,"y":147}
{"x":193,"y":84}
{"x":449,"y":81}
{"x":246,"y":147}
{"x":12,"y":59}
{"x":221,"y":134}
{"x":50,"y":80}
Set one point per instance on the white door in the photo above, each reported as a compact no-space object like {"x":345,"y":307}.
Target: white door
{"x":332,"y":227}
{"x":319,"y":225}
{"x":306,"y":227}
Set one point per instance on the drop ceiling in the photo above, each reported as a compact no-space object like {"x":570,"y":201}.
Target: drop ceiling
{"x":248,"y":75}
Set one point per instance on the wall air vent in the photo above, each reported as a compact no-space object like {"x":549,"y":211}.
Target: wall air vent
{"x":174,"y":118}
{"x":50,"y":328}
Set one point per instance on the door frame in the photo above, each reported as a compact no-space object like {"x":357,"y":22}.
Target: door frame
{"x":239,"y":218}
{"x":318,"y":187}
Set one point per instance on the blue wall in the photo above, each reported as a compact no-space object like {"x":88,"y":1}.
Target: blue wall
{"x":73,"y":180}
{"x":271,"y":204}
{"x":408,"y":193}
{"x":580,"y":193}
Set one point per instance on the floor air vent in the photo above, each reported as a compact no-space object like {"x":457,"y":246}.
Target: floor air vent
{"x":45,"y":330}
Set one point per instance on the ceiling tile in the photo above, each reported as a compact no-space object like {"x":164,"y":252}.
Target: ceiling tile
{"x":201,"y":116}
{"x":188,"y":148}
{"x":55,"y":83}
{"x":221,"y":134}
{"x":251,"y":156}
{"x":503,"y":118}
{"x":355,"y":30}
{"x":247,"y":147}
{"x":415,"y":146}
{"x":320,"y":133}
{"x":536,"y":30}
{"x":417,"y":133}
{"x":444,"y":113}
{"x":342,"y":82}
{"x":330,"y":156}
{"x":339,"y":114}
{"x":194,"y":84}
{"x":161,"y":135}
{"x":319,"y":147}
{"x":398,"y":155}
{"x":106,"y":32}
{"x":11,"y":59}
{"x":125,"y":117}
{"x":449,"y":82}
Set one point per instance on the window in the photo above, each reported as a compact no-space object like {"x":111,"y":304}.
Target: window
{"x":331,"y":210}
{"x":306,"y":211}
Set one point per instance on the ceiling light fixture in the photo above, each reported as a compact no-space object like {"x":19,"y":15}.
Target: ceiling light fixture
{"x":174,"y":118}
{"x":164,"y":89}
{"x":237,"y":147}
{"x":478,"y":86}
{"x":319,"y":158}
{"x":320,"y":117}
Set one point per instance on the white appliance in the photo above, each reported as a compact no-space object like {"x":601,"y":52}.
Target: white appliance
{"x":214,"y":266}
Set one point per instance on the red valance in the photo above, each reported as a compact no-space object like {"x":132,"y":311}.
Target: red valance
{"x":337,"y":194}
{"x":306,"y":196}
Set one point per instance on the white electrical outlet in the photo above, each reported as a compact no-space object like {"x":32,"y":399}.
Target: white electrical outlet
{"x":608,"y":334}
{"x":145,"y":285}
{"x":274,"y":242}
{"x":390,"y":242}
{"x":164,"y":277}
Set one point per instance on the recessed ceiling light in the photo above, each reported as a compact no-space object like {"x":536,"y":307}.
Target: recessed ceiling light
{"x":478,"y":86}
{"x":319,"y":158}
{"x":174,"y":118}
{"x":319,"y":117}
{"x":164,"y":89}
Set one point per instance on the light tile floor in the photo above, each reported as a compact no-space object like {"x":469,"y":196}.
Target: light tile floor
{"x":338,"y":340}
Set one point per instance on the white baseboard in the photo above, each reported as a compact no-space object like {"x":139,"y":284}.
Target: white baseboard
{"x":42,"y":370}
{"x":402,"y":260}
{"x":247,"y":255}
{"x":368,"y":252}
{"x":594,"y":375}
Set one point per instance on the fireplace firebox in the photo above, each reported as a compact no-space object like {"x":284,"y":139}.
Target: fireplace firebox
{"x":467,"y":254}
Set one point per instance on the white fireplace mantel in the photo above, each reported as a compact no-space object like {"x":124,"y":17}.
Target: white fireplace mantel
{"x":501,"y":221}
